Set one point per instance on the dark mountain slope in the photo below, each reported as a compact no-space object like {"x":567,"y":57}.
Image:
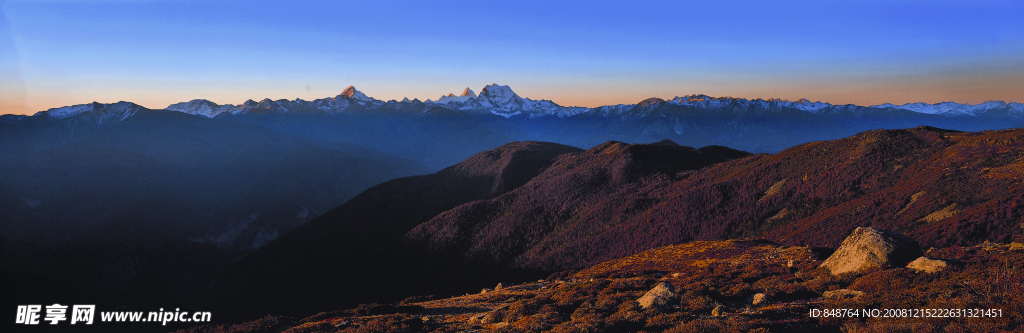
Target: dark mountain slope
{"x":355,"y":253}
{"x":156,"y":200}
{"x":361,"y":249}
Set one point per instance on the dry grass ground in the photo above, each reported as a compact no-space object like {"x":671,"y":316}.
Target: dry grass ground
{"x":706,"y":275}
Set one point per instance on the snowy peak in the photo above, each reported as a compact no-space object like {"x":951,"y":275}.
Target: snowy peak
{"x":466,"y":96}
{"x":351,"y":92}
{"x":498,"y":94}
{"x":502,"y":101}
{"x":200,"y":107}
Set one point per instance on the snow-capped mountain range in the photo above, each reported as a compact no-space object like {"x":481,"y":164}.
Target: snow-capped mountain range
{"x":502,"y":101}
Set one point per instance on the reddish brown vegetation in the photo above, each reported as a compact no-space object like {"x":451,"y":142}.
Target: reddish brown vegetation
{"x":940,"y":187}
{"x":707,"y":275}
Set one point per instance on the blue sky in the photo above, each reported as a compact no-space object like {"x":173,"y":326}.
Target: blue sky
{"x":56,"y":53}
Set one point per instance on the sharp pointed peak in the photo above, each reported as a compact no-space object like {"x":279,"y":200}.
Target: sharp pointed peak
{"x":351,"y":92}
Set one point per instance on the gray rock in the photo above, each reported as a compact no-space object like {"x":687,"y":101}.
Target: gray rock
{"x":868,"y":248}
{"x":660,"y":297}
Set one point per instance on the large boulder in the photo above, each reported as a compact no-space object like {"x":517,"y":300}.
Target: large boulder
{"x":868,"y":248}
{"x":660,"y":297}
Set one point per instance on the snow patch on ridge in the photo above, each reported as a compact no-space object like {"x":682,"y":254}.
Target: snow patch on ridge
{"x":948,"y":108}
{"x":708,"y":102}
{"x":101,"y":111}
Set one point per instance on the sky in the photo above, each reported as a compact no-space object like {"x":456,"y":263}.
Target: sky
{"x":56,"y":53}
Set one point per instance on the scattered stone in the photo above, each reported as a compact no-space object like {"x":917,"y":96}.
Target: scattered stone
{"x":498,"y":287}
{"x":425,"y":319}
{"x":868,"y":248}
{"x":923,"y":264}
{"x":477,"y":319}
{"x":790,"y":263}
{"x":842,"y":294}
{"x":759,"y":299}
{"x":484,"y":291}
{"x":660,"y":297}
{"x":718,"y":311}
{"x":676,"y":275}
{"x":488,"y":318}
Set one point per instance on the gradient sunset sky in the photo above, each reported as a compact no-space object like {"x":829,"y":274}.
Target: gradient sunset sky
{"x":576,"y":53}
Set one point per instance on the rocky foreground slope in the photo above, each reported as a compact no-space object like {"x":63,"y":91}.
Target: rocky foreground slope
{"x":721,"y":286}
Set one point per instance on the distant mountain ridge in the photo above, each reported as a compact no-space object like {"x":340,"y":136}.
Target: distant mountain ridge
{"x":442,"y":132}
{"x":501,"y":100}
